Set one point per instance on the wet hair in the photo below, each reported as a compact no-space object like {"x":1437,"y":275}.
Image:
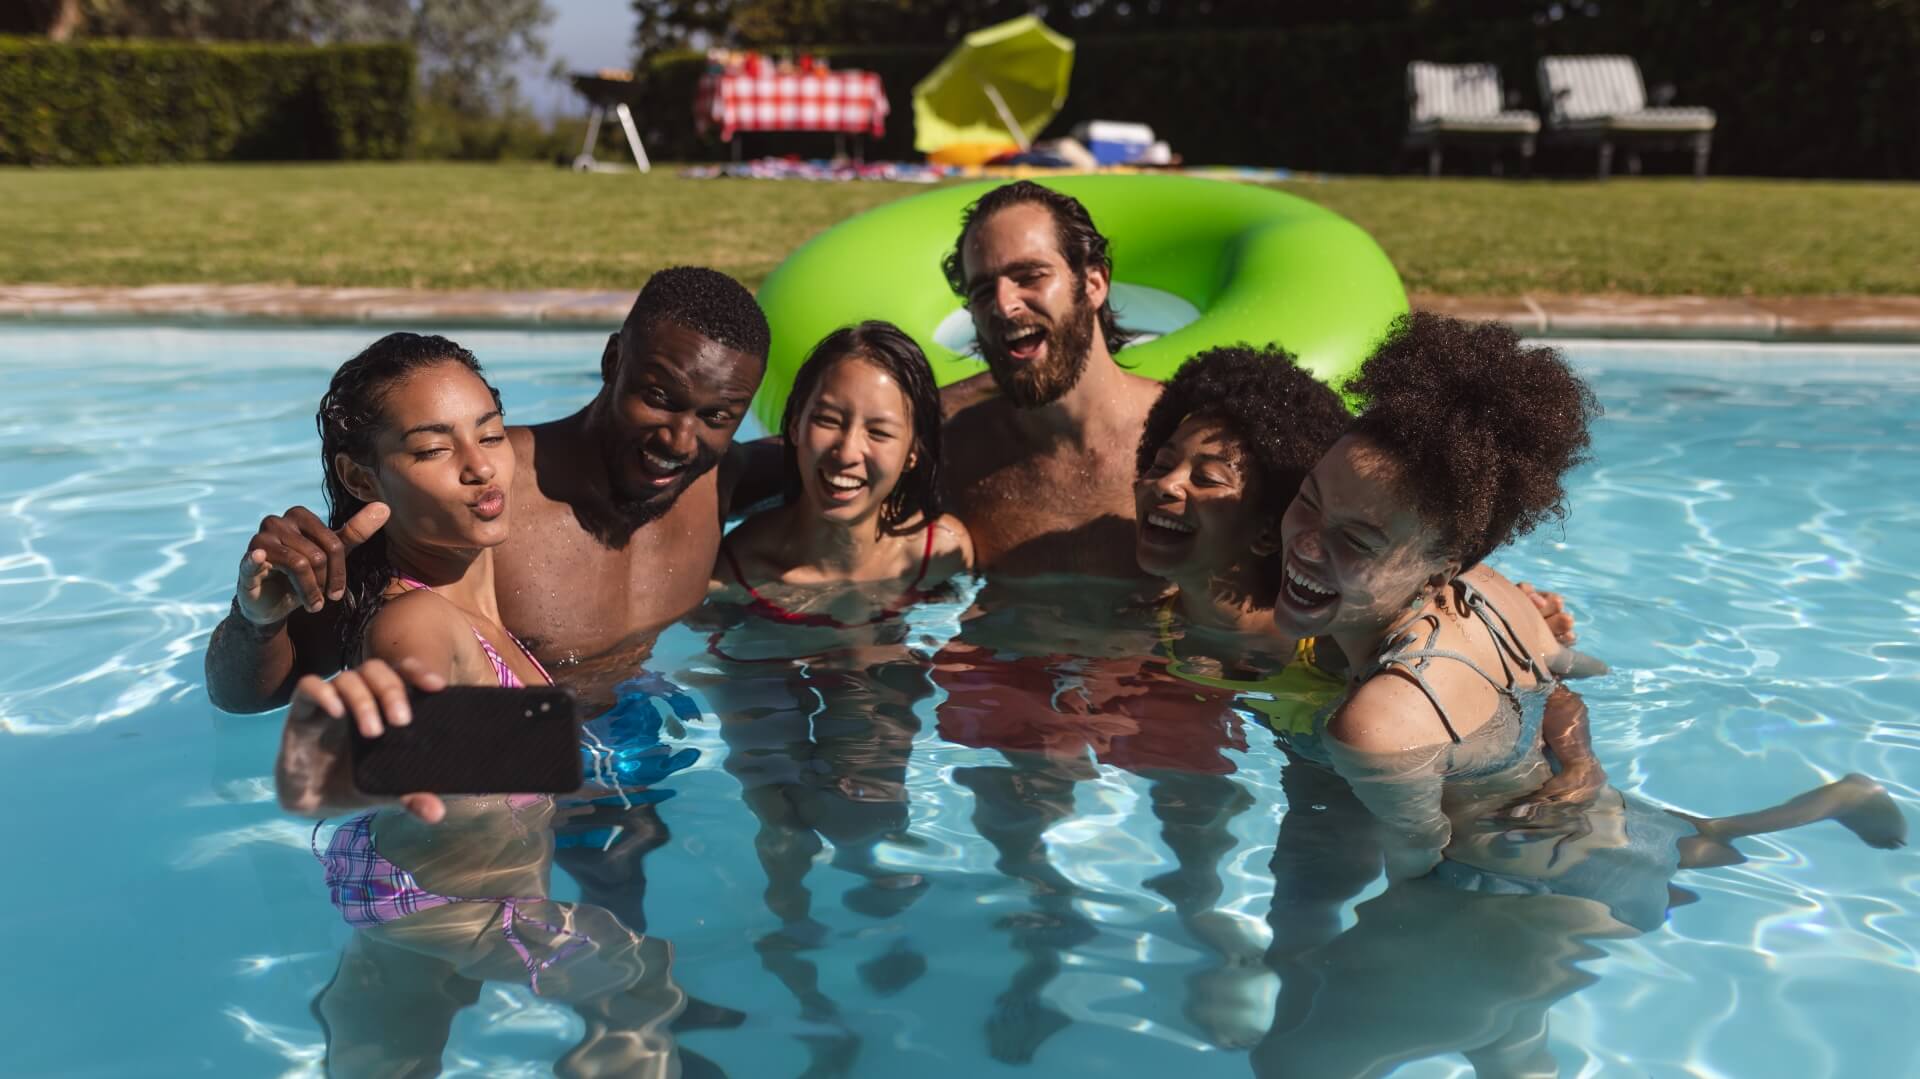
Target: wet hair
{"x":1482,"y":427}
{"x":1284,"y":417}
{"x":916,"y":495}
{"x":705,"y":301}
{"x":349,"y":419}
{"x":1081,"y":245}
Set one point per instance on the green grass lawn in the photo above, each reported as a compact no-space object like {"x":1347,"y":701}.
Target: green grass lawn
{"x":532,"y":226}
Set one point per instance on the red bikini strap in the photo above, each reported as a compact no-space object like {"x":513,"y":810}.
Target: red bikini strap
{"x":926,"y":560}
{"x":733,"y":564}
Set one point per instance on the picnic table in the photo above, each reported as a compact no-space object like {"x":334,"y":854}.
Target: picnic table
{"x":842,"y":102}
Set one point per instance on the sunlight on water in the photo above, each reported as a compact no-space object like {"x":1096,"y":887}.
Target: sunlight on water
{"x":1740,"y":550}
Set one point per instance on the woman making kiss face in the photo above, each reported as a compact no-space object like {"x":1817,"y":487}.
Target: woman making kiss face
{"x":411,"y":425}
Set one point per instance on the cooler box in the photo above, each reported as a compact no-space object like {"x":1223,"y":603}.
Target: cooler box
{"x":1114,"y":143}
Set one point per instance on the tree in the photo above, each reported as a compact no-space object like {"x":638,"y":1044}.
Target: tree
{"x":667,"y":24}
{"x":467,"y":48}
{"x":664,"y":25}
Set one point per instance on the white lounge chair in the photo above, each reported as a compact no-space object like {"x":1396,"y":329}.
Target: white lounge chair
{"x":1600,"y":99}
{"x":1460,"y":104}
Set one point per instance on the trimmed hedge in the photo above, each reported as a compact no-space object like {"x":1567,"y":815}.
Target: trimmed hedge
{"x":1801,"y":89}
{"x":138,"y":102}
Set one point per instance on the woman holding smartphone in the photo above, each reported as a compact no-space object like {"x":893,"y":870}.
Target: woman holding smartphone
{"x":448,"y":892}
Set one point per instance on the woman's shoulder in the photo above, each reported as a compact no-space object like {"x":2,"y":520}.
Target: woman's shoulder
{"x":1517,"y":607}
{"x":420,"y":625}
{"x":1391,"y":712}
{"x":415,"y":610}
{"x":1387,"y":713}
{"x":952,"y":545}
{"x":951,"y":540}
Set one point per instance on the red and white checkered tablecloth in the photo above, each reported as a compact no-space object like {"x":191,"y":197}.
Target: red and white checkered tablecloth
{"x":848,"y":101}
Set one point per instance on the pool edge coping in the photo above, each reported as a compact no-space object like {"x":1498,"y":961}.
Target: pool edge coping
{"x":1830,"y":319}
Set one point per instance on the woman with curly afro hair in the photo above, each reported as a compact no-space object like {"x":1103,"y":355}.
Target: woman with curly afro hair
{"x":1224,"y":451}
{"x":1227,"y":442}
{"x":1464,"y":443}
{"x":1222,"y":454}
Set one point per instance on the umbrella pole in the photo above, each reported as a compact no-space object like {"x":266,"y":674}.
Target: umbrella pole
{"x":1006,"y":115}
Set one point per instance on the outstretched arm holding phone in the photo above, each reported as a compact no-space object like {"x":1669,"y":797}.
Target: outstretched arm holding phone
{"x":314,"y":773}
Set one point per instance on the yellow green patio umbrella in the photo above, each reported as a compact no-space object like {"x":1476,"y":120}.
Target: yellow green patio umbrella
{"x":1003,"y":82}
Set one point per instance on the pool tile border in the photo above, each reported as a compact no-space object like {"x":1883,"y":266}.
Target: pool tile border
{"x":1837,"y":319}
{"x":1804,"y":318}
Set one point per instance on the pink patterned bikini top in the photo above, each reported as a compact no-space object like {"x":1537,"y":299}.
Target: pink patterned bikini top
{"x":508,"y":679}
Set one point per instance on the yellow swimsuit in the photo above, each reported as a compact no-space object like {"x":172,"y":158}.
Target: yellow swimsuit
{"x":1292,"y":702}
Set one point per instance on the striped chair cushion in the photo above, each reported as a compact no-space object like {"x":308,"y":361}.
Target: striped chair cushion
{"x":1452,"y":90}
{"x":1604,"y":93}
{"x":1577,"y":88}
{"x":1657,"y":120}
{"x":1515,"y":122}
{"x":1461,"y":98}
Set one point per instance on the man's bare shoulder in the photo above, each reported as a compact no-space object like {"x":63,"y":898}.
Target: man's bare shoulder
{"x":970,"y":395}
{"x":533,"y":446}
{"x":758,"y":540}
{"x":1141,"y":393}
{"x":1142,"y":388}
{"x":547,"y":471}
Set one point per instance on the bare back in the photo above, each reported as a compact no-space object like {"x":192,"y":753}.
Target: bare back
{"x":1039,"y":503}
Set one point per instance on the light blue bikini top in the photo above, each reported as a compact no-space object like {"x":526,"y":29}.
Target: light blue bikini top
{"x":1497,"y":744}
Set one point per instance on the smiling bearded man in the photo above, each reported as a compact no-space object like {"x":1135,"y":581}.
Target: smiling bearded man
{"x":1041,"y":445}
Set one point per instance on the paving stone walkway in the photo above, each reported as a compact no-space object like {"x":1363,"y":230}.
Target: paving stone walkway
{"x":1835,"y":319}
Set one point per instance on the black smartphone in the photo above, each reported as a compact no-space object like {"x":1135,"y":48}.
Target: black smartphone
{"x":476,"y":740}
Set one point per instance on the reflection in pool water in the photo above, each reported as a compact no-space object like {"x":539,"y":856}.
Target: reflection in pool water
{"x":860,"y":864}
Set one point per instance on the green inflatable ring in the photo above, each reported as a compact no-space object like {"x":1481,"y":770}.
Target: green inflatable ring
{"x":1260,"y":266}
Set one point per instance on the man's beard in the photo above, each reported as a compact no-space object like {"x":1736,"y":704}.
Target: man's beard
{"x":647,"y":507}
{"x":1030,"y":385}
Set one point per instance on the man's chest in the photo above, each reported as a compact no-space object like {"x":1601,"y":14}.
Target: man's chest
{"x":573,"y":598}
{"x":1060,"y":487}
{"x":1053,"y":515}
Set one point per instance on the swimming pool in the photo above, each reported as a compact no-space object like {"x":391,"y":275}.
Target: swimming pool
{"x":1740,"y":550}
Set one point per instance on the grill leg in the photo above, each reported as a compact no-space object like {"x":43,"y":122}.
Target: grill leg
{"x":1702,"y":146}
{"x":584,"y":162}
{"x":1606,"y":159}
{"x":633,"y":138}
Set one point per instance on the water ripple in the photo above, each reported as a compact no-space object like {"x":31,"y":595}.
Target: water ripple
{"x":1739,"y":550}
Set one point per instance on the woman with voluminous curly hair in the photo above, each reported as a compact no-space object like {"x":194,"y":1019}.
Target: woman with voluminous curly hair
{"x":1464,"y":443}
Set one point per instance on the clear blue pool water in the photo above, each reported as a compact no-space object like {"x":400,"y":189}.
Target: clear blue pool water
{"x":1742,"y":550}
